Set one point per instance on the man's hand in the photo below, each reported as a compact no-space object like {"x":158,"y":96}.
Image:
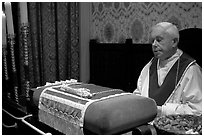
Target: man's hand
{"x":136,"y":92}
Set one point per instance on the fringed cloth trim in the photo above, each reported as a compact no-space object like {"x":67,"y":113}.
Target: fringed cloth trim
{"x":60,"y":124}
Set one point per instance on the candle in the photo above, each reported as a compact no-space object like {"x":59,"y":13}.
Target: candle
{"x":4,"y":42}
{"x":23,"y":12}
{"x":9,"y":18}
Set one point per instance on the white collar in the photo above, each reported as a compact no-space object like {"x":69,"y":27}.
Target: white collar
{"x":172,"y":58}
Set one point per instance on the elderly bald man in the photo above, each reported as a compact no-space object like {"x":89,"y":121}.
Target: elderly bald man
{"x":172,"y":78}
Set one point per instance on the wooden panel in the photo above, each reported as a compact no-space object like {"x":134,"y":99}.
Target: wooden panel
{"x":118,"y":65}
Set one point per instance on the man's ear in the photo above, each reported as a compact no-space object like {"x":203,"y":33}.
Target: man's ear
{"x":175,"y":41}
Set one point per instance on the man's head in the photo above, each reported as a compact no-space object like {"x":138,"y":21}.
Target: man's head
{"x":164,"y":38}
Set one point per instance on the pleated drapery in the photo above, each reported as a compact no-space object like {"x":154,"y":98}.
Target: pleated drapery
{"x":45,"y":49}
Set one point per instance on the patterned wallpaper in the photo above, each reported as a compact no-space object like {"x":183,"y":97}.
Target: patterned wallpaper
{"x":117,"y":21}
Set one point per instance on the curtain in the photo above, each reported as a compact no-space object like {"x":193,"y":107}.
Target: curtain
{"x":46,"y":49}
{"x":54,"y":33}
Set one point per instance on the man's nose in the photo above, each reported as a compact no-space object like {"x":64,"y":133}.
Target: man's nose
{"x":154,"y":43}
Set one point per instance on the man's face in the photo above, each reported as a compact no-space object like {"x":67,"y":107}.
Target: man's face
{"x":162,"y":44}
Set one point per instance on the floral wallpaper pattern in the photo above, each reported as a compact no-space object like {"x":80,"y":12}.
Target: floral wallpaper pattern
{"x":117,"y":21}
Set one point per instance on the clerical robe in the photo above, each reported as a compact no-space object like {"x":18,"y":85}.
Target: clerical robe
{"x":185,"y":96}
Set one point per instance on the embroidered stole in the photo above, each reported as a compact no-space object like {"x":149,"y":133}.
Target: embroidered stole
{"x":161,"y":93}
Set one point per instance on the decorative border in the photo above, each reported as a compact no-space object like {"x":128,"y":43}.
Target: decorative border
{"x":25,"y":42}
{"x":11,"y":43}
{"x":6,"y":76}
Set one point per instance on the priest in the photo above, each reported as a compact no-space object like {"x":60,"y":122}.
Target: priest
{"x":172,"y":78}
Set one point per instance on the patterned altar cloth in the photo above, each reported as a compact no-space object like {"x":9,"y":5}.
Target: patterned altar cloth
{"x":64,"y":110}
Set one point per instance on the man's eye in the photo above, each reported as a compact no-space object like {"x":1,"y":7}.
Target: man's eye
{"x":158,"y":40}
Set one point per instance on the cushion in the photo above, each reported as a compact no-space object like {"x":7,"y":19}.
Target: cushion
{"x":122,"y":113}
